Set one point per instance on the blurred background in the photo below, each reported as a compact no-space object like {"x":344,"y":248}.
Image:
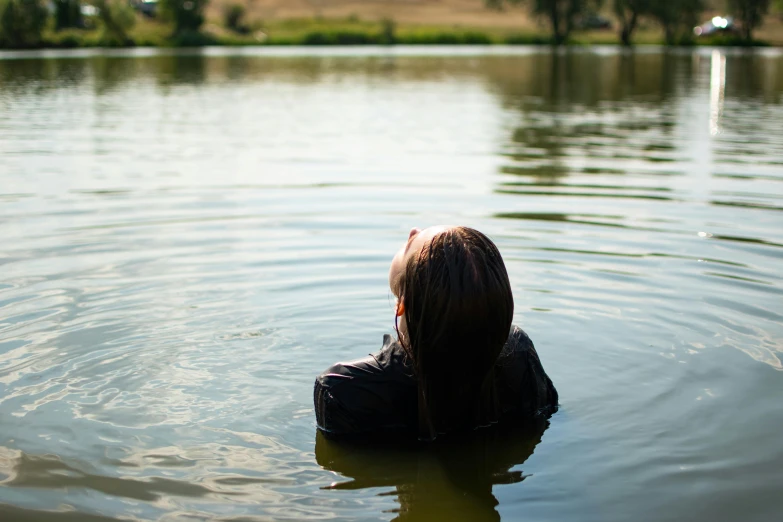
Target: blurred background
{"x":189,"y":235}
{"x":125,"y":23}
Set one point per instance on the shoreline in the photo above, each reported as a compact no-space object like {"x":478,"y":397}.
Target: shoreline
{"x":316,"y":32}
{"x":365,"y":50}
{"x":456,"y":41}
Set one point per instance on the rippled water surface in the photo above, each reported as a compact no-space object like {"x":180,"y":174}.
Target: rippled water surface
{"x":188,"y":239}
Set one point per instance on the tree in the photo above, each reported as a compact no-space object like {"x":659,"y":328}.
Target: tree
{"x":750,"y":13}
{"x":234,"y":18}
{"x":629,"y":12}
{"x":188,"y":15}
{"x":677,"y":18}
{"x":22,"y":22}
{"x":562,"y":14}
{"x":117,"y":17}
{"x":67,"y":13}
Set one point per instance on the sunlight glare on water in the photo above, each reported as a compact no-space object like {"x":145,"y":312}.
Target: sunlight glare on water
{"x":190,"y":238}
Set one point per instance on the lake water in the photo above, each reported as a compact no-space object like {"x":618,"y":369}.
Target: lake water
{"x":188,"y":239}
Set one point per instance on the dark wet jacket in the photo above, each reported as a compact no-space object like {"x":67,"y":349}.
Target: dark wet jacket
{"x":379,"y":393}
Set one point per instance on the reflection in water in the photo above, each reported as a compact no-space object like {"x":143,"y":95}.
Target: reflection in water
{"x":638,"y":157}
{"x":17,"y":514}
{"x":717,"y":90}
{"x":190,"y":236}
{"x":50,"y":472}
{"x":111,"y":73}
{"x":183,"y":69}
{"x":450,"y":480}
{"x":585,"y":115}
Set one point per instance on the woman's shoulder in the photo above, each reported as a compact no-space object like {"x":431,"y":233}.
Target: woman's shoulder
{"x":518,"y":341}
{"x":524,"y":385}
{"x":368,"y":394}
{"x":378,"y":393}
{"x":389,"y":363}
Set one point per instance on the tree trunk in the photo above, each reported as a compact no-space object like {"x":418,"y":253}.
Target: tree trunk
{"x":571,"y":9}
{"x":554,"y":16}
{"x":628,"y":28}
{"x":669,"y":31}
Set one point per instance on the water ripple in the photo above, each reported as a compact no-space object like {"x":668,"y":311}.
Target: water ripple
{"x":173,"y":279}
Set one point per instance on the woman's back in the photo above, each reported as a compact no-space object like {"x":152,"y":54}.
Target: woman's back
{"x":457,"y":363}
{"x":378,"y":394}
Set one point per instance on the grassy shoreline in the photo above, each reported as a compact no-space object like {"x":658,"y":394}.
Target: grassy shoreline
{"x":325,"y":32}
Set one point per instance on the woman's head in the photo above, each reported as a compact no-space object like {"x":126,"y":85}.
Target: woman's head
{"x":455,"y":309}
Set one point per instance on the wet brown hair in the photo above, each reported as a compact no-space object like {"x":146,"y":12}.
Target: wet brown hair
{"x":458,"y":311}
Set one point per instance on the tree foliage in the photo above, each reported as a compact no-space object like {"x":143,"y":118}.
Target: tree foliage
{"x":187,"y":15}
{"x":562,"y":14}
{"x":117,"y":18}
{"x":22,"y":22}
{"x":628,"y":13}
{"x":234,"y":18}
{"x":676,"y":17}
{"x":67,"y":13}
{"x":750,"y":13}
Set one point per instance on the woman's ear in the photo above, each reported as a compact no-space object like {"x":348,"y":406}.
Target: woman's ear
{"x":400,"y":308}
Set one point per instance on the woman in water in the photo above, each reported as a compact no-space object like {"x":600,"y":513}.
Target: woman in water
{"x":457,"y":363}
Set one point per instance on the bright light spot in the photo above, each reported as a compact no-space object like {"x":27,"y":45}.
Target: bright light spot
{"x":697,"y":31}
{"x":720,"y":22}
{"x":705,"y":234}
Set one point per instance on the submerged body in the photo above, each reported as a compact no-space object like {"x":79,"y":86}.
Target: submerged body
{"x":378,"y":394}
{"x":457,"y":363}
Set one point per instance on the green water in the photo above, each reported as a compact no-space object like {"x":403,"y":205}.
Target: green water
{"x":188,"y":239}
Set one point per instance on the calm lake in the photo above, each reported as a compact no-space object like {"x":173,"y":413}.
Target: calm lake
{"x":188,"y":239}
